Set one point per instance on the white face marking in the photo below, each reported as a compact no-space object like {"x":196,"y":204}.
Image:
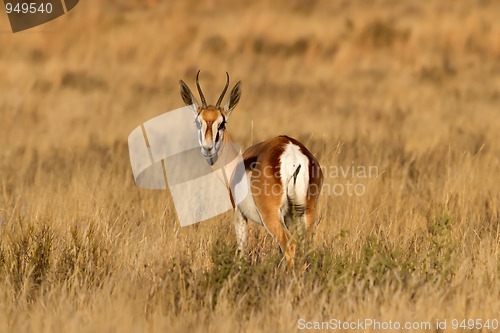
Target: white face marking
{"x":210,"y":134}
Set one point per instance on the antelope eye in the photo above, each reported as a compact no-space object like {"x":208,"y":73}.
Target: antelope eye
{"x":222,"y":125}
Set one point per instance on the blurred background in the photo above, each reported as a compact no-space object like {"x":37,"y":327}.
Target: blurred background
{"x":411,"y":87}
{"x":329,"y":69}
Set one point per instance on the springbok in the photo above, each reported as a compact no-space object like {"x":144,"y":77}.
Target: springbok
{"x":285,"y":179}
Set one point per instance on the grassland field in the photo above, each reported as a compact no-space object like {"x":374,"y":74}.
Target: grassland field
{"x":411,"y":88}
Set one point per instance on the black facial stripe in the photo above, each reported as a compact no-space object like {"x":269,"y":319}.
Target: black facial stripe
{"x":222,"y":125}
{"x":221,"y":128}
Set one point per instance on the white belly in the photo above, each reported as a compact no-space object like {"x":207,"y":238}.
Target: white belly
{"x":248,"y":207}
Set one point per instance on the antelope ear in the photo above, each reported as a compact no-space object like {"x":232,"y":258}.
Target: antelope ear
{"x":234,"y":98}
{"x":188,"y":97}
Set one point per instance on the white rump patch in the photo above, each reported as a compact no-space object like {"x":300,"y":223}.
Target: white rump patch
{"x":290,"y":160}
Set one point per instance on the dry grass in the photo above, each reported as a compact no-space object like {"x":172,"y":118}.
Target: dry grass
{"x":410,"y":87}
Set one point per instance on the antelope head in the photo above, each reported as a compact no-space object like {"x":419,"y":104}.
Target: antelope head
{"x":210,"y":120}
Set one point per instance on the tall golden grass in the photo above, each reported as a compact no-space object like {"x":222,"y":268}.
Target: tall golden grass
{"x":411,"y":87}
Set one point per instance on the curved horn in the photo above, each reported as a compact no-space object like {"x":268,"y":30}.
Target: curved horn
{"x":203,"y":101}
{"x":223,"y":92}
